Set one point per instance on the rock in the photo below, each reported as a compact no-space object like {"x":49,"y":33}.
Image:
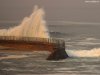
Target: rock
{"x":58,"y":55}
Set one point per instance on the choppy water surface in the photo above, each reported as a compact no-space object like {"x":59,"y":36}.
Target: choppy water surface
{"x":35,"y":64}
{"x":83,"y":39}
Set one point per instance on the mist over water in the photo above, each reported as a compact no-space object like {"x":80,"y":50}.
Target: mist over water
{"x":32,"y":26}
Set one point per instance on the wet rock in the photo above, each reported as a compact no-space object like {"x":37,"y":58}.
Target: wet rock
{"x":58,"y":55}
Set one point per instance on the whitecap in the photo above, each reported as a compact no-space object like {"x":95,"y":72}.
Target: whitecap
{"x":84,"y":53}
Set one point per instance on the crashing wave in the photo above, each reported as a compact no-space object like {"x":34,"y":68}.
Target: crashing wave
{"x":32,"y":26}
{"x":84,"y":53}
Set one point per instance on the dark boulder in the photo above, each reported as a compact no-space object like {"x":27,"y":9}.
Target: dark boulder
{"x":58,"y":55}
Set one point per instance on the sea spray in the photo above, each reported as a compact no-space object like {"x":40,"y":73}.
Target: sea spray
{"x":84,"y":53}
{"x":32,"y":26}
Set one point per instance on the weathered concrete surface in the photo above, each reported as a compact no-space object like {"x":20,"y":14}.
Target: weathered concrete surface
{"x":55,"y":46}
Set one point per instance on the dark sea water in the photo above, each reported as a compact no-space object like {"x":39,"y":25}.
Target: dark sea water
{"x":77,"y":37}
{"x":35,"y":64}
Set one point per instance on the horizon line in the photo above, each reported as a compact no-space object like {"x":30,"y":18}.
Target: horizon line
{"x":60,"y":22}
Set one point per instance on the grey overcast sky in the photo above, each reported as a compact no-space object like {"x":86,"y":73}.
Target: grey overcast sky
{"x":63,"y":10}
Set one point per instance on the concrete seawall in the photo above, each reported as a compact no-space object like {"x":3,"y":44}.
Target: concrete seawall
{"x":55,"y":46}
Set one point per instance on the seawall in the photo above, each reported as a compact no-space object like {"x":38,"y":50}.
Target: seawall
{"x":55,"y":46}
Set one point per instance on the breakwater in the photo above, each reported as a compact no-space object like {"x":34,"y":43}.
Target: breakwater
{"x":55,"y":46}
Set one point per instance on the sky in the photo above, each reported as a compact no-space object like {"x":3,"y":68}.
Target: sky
{"x":56,"y":10}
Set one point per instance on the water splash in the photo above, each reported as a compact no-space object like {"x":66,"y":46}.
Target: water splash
{"x":84,"y":53}
{"x":32,"y":26}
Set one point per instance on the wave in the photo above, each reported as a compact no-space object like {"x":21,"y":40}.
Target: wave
{"x":95,"y":52}
{"x":13,"y":57}
{"x":91,"y":39}
{"x":32,"y":26}
{"x":58,"y":33}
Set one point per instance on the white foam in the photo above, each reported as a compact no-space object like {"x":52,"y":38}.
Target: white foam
{"x":13,"y":57}
{"x":84,"y":53}
{"x":91,"y":39}
{"x":87,"y":43}
{"x":32,"y":26}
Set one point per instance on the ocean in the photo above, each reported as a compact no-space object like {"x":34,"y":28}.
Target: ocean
{"x":82,"y":45}
{"x":82,"y":41}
